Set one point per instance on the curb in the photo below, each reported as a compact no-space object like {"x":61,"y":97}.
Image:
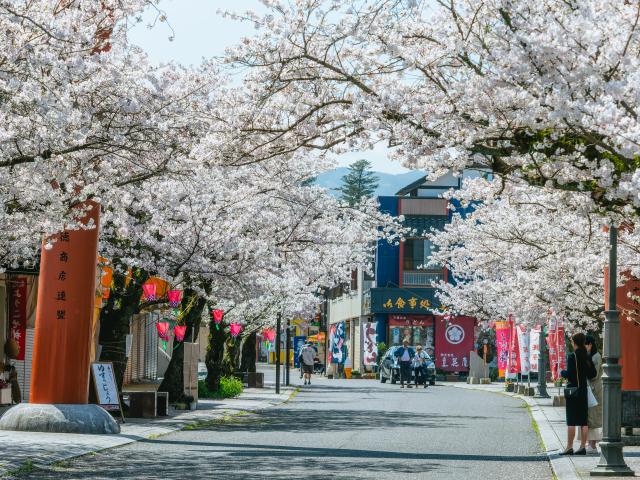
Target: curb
{"x":148,"y":432}
{"x":563,"y":468}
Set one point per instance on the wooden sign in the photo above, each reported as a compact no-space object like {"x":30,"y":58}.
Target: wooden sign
{"x":104,"y":383}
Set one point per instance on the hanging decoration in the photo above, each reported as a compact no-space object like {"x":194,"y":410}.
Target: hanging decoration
{"x":163,"y":330}
{"x":269,"y":334}
{"x":175,"y":297}
{"x":235,"y":328}
{"x":179,"y":331}
{"x":217,"y":317}
{"x":149,"y":291}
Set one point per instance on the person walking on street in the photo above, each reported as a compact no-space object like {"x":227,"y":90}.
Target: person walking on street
{"x":595,"y":413}
{"x":307,"y":356}
{"x":405,"y":357}
{"x":419,"y":363}
{"x":579,"y":370}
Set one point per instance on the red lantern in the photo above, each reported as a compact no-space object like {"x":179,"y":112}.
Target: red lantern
{"x":163,"y":330}
{"x":217,"y":315}
{"x":175,"y":297}
{"x":179,"y":331}
{"x":149,"y":290}
{"x":236,"y":328}
{"x":269,"y":334}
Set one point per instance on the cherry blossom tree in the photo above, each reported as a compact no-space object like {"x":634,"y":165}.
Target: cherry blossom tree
{"x":526,"y":251}
{"x":537,"y":91}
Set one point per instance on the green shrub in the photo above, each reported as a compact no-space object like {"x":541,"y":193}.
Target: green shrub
{"x":230,"y":387}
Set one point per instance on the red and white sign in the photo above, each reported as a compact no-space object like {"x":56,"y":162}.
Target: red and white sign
{"x":555,"y":343}
{"x":18,"y":313}
{"x":410,"y":320}
{"x":523,"y":346}
{"x":535,"y":348}
{"x":454,"y":341}
{"x":513,"y":362}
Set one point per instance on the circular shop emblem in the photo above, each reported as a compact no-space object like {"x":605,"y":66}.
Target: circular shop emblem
{"x":454,"y":334}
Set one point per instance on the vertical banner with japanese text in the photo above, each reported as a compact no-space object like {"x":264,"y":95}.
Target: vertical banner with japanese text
{"x":502,"y":346}
{"x":513,"y":366}
{"x":18,"y":313}
{"x":65,"y":313}
{"x":454,"y":340}
{"x":370,"y":343}
{"x":535,"y":348}
{"x":523,"y":347}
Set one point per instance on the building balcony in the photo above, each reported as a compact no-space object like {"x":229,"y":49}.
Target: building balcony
{"x":421,"y":278}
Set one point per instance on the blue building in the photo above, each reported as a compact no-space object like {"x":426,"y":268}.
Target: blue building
{"x":400,"y":299}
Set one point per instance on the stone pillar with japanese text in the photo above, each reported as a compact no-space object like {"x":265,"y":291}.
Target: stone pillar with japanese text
{"x":65,"y":314}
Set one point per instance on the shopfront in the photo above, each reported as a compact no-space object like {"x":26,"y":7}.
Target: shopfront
{"x":417,"y":329}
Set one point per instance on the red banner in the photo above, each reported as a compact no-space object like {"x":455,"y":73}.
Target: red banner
{"x":454,"y":341}
{"x":557,"y":353}
{"x":18,"y":313}
{"x":513,"y":364}
{"x":502,"y":346}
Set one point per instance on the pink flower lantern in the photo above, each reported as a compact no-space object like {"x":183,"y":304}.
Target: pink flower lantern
{"x":235,"y":328}
{"x":179,"y":331}
{"x":149,"y":291}
{"x":269,"y":334}
{"x":175,"y":297}
{"x":163,"y":330}
{"x":217,"y":315}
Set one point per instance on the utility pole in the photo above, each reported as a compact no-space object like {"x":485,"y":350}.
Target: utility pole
{"x":612,"y":462}
{"x":287,"y":354}
{"x":542,"y":365}
{"x":278,"y":338}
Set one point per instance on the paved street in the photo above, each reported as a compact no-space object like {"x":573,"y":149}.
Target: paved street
{"x":343,"y":429}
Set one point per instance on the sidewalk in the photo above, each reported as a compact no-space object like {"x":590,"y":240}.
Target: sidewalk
{"x":21,"y":450}
{"x":553,"y":432}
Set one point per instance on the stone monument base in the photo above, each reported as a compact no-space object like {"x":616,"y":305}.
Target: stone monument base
{"x":60,"y":418}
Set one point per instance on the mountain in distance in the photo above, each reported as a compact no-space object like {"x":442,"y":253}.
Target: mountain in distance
{"x":388,"y":183}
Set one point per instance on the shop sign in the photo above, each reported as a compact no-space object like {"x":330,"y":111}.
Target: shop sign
{"x":411,"y":320}
{"x":454,"y":341}
{"x":402,"y":300}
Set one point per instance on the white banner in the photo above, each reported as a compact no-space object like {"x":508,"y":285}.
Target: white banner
{"x":523,"y":343}
{"x":535,"y":348}
{"x":369,"y":343}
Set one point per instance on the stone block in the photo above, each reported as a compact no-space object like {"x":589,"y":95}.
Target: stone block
{"x":59,"y":418}
{"x":485,"y":381}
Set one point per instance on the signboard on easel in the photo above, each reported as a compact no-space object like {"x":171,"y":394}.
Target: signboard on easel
{"x":106,"y":390}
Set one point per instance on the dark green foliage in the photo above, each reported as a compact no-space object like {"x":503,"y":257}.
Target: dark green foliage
{"x":229,"y":387}
{"x":359,"y":182}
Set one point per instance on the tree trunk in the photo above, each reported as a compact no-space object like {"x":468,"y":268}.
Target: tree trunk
{"x":248,"y":357}
{"x":115,"y":319}
{"x":173,"y":381}
{"x":231,"y":357}
{"x":215,"y":356}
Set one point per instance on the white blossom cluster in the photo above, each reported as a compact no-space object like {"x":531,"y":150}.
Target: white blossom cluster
{"x":527,"y":251}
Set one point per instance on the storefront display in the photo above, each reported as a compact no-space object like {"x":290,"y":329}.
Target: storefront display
{"x":417,"y":329}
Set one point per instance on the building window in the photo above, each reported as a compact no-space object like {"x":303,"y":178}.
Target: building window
{"x":416,"y":253}
{"x":415,"y":256}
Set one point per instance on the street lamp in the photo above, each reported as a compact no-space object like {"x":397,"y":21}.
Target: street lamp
{"x":542,"y":366}
{"x":278,"y":337}
{"x":611,"y":458}
{"x":287,"y":354}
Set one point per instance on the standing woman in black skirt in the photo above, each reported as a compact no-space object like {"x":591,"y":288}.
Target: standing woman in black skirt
{"x":579,"y":370}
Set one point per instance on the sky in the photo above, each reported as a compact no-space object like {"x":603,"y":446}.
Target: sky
{"x":199,"y":32}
